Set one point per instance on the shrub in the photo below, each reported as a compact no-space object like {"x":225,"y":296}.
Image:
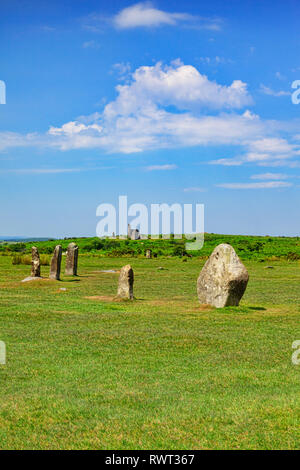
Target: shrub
{"x":19,"y":247}
{"x":21,"y":259}
{"x":292,"y":256}
{"x":45,"y":261}
{"x":26,"y":259}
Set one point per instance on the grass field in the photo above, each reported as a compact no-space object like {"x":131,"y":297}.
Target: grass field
{"x":84,"y":371}
{"x":254,"y":248}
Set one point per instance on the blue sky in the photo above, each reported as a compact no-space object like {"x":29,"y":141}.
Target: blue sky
{"x":165,"y":101}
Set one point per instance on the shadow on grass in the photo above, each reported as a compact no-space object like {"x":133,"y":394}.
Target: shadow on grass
{"x":257,"y":308}
{"x":241,"y":309}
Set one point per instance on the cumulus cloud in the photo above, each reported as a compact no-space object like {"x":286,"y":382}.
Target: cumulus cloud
{"x":145,"y":15}
{"x":170,"y":106}
{"x":140,"y":117}
{"x":153,"y":129}
{"x":72,"y":128}
{"x":178,"y":85}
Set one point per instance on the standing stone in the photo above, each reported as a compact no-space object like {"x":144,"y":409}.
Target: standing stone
{"x":35,"y":262}
{"x":148,"y":254}
{"x":125,"y":287}
{"x":72,"y":259}
{"x":223,"y":279}
{"x":56,"y":263}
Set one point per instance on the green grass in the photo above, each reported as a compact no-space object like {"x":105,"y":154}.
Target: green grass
{"x":248,"y":247}
{"x":156,"y":373}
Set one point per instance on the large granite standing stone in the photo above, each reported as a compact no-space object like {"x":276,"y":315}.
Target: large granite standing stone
{"x":35,"y":262}
{"x":125,"y":287}
{"x":148,"y":254}
{"x":223,"y":279}
{"x":56,"y":263}
{"x":72,"y":259}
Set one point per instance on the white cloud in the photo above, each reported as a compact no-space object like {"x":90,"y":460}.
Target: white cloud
{"x":138,"y":120}
{"x":178,"y":85}
{"x":145,"y":15}
{"x":148,"y":129}
{"x":268,"y":91}
{"x":122,"y":69}
{"x":214,"y":61}
{"x":264,"y":185}
{"x":268,"y":151}
{"x":226,"y":162}
{"x":271,"y":145}
{"x":73,"y":127}
{"x":269,"y":176}
{"x":168,"y":107}
{"x":161,"y":167}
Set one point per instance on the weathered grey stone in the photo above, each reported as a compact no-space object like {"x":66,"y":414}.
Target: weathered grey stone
{"x":56,"y":263}
{"x":125,"y":287}
{"x":148,"y":254}
{"x":30,"y":278}
{"x":72,"y":259}
{"x":35,"y":263}
{"x":223,"y":279}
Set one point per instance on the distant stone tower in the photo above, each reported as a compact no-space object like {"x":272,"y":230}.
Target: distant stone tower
{"x":133,"y":234}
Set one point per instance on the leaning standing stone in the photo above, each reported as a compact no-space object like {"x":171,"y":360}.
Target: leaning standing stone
{"x":56,"y":263}
{"x":125,"y":288}
{"x":35,"y":262}
{"x":223,"y":279}
{"x":72,"y":259}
